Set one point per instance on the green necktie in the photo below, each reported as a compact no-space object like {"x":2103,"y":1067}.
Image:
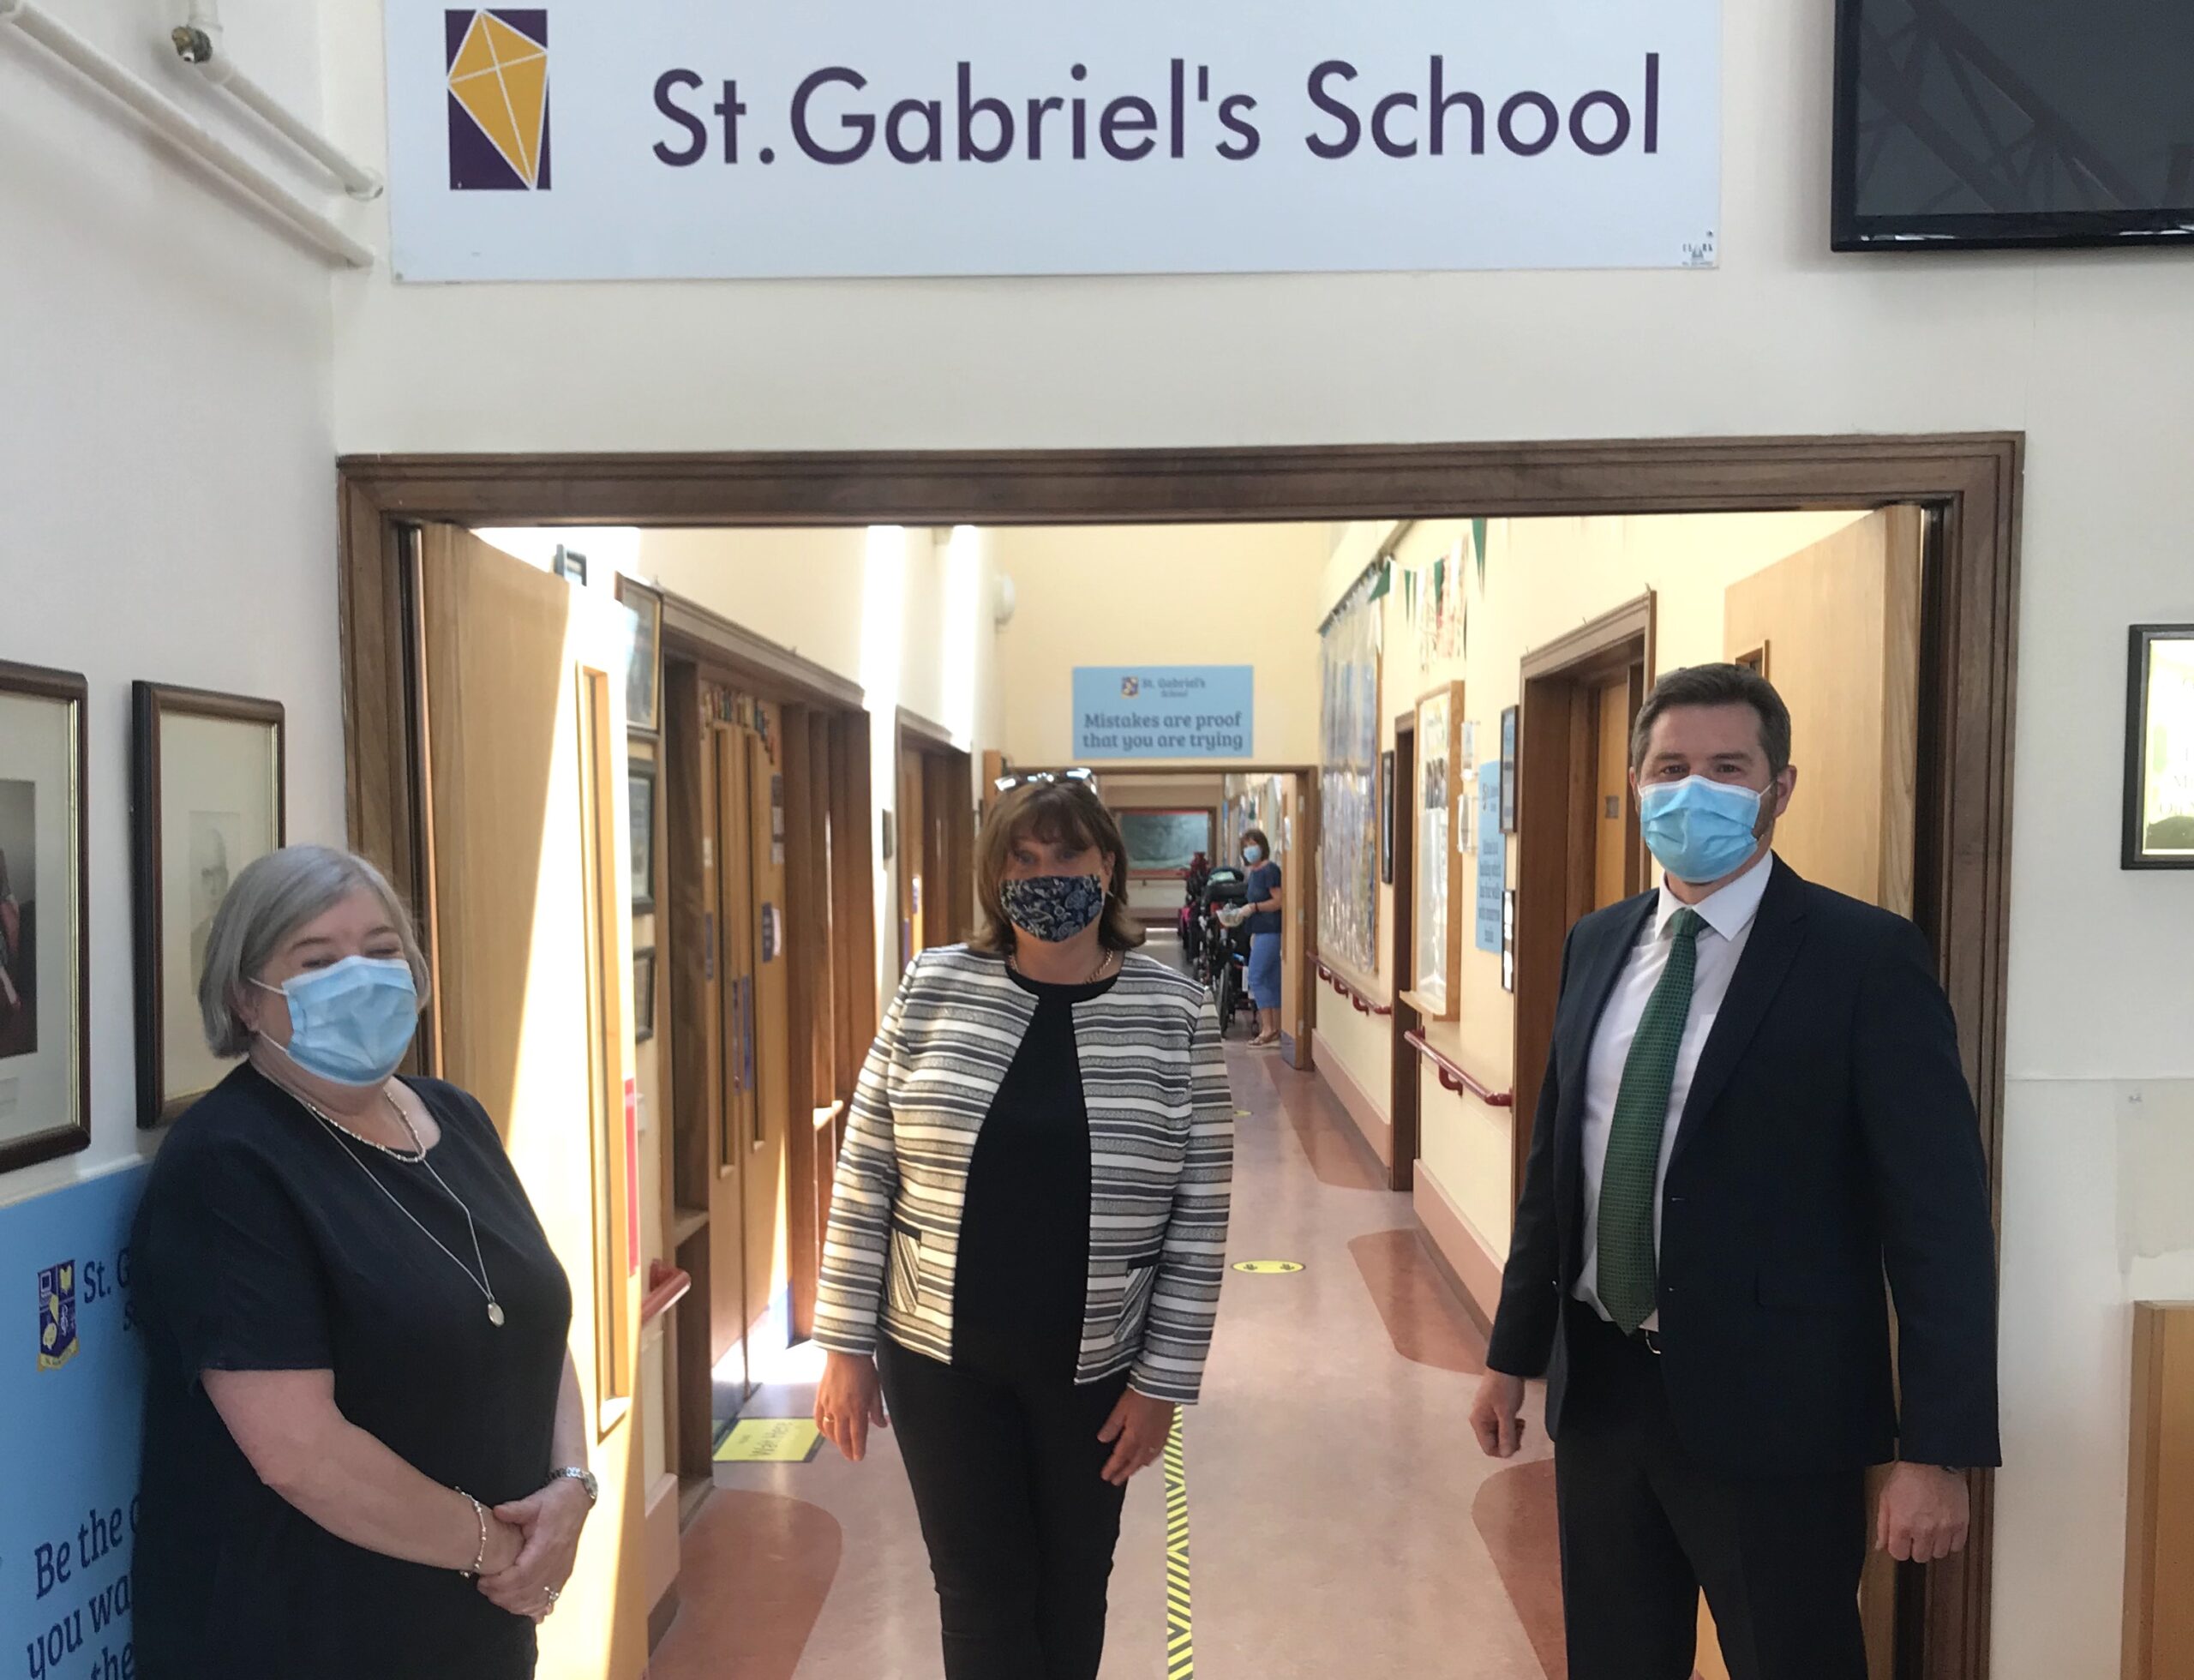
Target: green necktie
{"x":1628,"y":1266}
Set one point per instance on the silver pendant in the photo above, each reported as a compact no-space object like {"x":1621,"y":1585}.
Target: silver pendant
{"x":495,"y":1314}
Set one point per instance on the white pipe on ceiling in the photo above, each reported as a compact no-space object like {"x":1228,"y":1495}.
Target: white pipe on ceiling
{"x":178,"y":127}
{"x":200,"y":44}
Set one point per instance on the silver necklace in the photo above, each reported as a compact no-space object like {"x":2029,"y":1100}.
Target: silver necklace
{"x":481,"y":1281}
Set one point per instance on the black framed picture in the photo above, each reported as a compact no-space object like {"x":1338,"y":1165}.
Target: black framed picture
{"x":569,"y":564}
{"x":2160,"y":749}
{"x":207,"y":786}
{"x":45,"y":1060}
{"x":644,"y":663}
{"x":1386,"y":817}
{"x":643,"y":994}
{"x":1508,"y":770}
{"x":641,"y":781}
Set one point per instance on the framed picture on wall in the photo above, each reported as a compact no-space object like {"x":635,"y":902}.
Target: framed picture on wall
{"x":1508,"y":770}
{"x":1439,"y":806}
{"x":2160,"y":749}
{"x":644,"y":662}
{"x":45,"y":917}
{"x":643,"y":994}
{"x":207,"y":782}
{"x":640,"y":777}
{"x":1162,"y":844}
{"x":1386,"y":817}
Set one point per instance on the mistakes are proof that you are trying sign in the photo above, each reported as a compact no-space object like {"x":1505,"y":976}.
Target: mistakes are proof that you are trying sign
{"x":685,"y":139}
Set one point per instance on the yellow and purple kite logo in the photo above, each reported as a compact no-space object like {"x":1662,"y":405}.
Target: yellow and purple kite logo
{"x":498,"y":63}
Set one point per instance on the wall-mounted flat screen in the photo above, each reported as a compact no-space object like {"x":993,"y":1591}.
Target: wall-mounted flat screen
{"x":2007,"y":123}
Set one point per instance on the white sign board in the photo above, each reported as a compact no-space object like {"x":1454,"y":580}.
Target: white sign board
{"x":690,"y":138}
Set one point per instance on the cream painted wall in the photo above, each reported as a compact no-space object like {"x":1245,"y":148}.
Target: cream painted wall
{"x":1542,"y":578}
{"x":166,"y":455}
{"x":1175,"y":594}
{"x":2091,"y":355}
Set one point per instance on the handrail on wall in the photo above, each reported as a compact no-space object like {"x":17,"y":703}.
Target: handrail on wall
{"x":1341,"y":983}
{"x":667,"y":1286}
{"x":1457,"y":1078}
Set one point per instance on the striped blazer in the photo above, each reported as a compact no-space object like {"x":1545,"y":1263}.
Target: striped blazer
{"x":1161,"y":1158}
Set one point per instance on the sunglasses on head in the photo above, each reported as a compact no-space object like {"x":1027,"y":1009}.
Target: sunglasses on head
{"x":1006,"y":784}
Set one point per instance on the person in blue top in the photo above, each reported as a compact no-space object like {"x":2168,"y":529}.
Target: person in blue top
{"x":1263,"y":900}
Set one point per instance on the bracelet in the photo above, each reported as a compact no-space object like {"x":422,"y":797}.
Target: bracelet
{"x":480,"y":1513}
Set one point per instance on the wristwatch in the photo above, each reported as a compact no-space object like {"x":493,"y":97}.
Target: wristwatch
{"x":583,"y":1476}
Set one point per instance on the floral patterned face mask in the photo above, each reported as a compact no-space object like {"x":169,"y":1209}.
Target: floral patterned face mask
{"x":1054,"y":908}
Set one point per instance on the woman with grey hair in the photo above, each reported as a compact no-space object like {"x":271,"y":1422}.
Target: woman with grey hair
{"x":365,"y":1446}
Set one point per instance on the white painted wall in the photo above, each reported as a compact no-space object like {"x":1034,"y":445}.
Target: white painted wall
{"x":166,"y":456}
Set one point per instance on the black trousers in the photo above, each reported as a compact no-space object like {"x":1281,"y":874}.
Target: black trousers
{"x":1645,"y":1526}
{"x":1020,"y":1522}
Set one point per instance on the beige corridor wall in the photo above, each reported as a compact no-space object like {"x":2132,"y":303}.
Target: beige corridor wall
{"x":1162,"y":595}
{"x":2091,"y":355}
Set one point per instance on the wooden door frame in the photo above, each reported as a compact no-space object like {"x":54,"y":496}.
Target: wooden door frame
{"x":1548,"y":738}
{"x":1969,"y":646}
{"x":1405,"y":1100}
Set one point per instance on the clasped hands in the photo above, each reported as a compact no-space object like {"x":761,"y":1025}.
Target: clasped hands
{"x":532,"y":1548}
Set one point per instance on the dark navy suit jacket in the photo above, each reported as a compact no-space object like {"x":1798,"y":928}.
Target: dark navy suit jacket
{"x":1829,"y":1138}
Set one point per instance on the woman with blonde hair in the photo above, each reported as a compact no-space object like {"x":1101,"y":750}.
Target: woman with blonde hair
{"x":1028,"y":1235}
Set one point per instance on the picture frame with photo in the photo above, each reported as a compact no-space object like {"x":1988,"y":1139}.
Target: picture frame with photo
{"x":45,"y":1067}
{"x":640,"y":780}
{"x":209,"y":776}
{"x":1386,"y":817}
{"x":643,"y":661}
{"x":2159,"y":818}
{"x":643,"y":994}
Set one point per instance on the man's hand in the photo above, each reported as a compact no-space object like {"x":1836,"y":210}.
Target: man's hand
{"x":1924,"y":1513}
{"x":1497,"y":1414}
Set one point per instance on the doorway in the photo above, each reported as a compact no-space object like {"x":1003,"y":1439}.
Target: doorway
{"x":936,"y":839}
{"x":1963,"y":699}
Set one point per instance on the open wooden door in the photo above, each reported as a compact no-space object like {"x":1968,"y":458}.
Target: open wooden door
{"x":522,"y":730}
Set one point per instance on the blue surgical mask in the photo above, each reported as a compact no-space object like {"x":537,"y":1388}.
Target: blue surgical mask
{"x":1701,"y":829}
{"x":1254,"y":854}
{"x":1054,"y":908}
{"x":352,"y":1022}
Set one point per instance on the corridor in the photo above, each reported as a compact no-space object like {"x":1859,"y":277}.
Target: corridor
{"x":1341,"y":1521}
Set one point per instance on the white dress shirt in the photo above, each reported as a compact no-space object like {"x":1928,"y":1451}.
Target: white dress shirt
{"x":1729,"y":916}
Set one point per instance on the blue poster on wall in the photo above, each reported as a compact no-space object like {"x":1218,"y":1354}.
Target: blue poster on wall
{"x":1164,"y":711}
{"x":1492,"y":858}
{"x":71,"y":1416}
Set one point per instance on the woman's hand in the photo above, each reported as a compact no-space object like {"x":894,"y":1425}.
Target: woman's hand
{"x":849,"y":1402}
{"x":548,"y":1525}
{"x":1137,"y":1431}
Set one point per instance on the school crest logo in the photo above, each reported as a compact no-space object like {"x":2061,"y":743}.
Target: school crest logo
{"x":56,"y":1316}
{"x":1130,"y":688}
{"x":498,"y":65}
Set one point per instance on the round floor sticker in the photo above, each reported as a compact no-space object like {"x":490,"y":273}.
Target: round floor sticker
{"x":1268,"y":1268}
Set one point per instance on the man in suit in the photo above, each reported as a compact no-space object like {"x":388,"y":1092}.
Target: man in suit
{"x":1755,"y":1108}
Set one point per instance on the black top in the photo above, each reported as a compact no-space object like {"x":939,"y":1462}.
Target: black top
{"x":1023,"y":1266}
{"x":259,"y":1247}
{"x":1264,"y":881}
{"x":1828,"y":1136}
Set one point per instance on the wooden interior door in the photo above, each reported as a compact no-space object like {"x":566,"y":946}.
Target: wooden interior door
{"x":913,"y":850}
{"x":768,"y":1115}
{"x":1836,"y":629}
{"x":1614,"y":855}
{"x":731,"y":837}
{"x":523,"y":755}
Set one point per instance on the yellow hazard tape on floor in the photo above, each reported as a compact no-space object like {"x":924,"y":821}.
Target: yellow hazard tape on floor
{"x":1180,"y":1633}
